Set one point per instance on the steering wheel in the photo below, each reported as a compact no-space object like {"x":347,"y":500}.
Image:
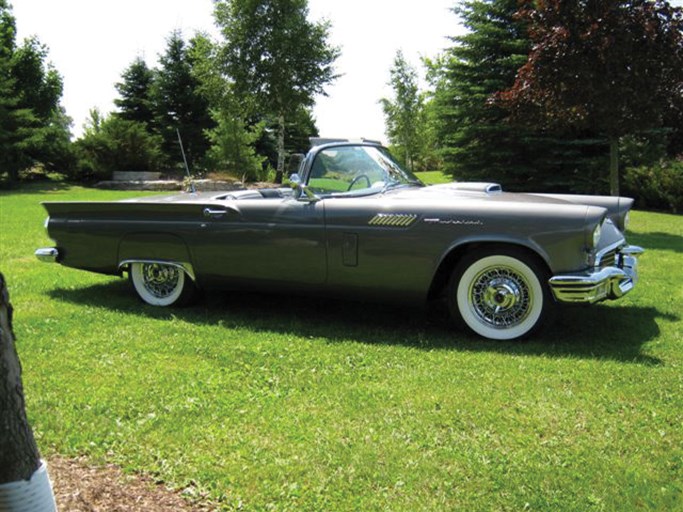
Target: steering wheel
{"x":357,"y":179}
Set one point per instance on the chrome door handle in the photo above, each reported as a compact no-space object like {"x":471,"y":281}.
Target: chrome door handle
{"x":212,"y":214}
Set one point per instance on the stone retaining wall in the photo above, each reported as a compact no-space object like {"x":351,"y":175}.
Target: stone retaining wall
{"x":135,"y":176}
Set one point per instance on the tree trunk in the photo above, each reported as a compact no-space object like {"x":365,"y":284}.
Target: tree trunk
{"x":19,"y":457}
{"x":24,"y":483}
{"x":614,"y":165}
{"x":280,"y":149}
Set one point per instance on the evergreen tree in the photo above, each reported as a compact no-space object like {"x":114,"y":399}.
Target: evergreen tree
{"x":180,"y":105}
{"x":44,"y":137}
{"x":232,"y":147}
{"x":111,"y":143}
{"x":8,"y":103}
{"x":300,"y":129}
{"x":135,"y":103}
{"x":475,"y":140}
{"x":33,"y":127}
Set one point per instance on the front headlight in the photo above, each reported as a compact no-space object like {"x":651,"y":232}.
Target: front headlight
{"x":597,"y":232}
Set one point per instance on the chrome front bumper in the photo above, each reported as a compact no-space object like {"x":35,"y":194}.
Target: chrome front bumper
{"x":47,"y":254}
{"x":602,"y":284}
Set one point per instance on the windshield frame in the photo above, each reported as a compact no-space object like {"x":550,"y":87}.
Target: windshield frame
{"x":375,"y":154}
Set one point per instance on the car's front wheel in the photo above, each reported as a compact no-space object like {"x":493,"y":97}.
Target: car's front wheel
{"x":160,"y":284}
{"x":499,"y":293}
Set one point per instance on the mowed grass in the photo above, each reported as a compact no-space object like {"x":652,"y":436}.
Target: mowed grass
{"x":433,"y":177}
{"x":285,"y":403}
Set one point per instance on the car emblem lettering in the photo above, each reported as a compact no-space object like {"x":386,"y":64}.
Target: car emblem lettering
{"x":454,"y":222}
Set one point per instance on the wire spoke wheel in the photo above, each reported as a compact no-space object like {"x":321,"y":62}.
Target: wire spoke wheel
{"x":160,"y":284}
{"x":160,"y":280}
{"x":500,"y":297}
{"x":498,"y":294}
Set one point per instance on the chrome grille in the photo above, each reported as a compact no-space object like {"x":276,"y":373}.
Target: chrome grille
{"x":608,"y":259}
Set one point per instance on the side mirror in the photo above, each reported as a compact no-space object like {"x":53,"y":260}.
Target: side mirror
{"x":301,"y":191}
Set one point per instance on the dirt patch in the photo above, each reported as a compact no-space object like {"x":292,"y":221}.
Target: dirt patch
{"x":80,"y":487}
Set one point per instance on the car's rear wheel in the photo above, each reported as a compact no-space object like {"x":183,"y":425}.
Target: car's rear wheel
{"x":499,"y":293}
{"x":160,"y":284}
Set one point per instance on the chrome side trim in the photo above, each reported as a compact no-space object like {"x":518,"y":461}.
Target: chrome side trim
{"x":47,"y":254}
{"x":185,"y":267}
{"x":603,"y":284}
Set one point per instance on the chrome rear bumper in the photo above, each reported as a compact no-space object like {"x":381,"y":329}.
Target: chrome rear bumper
{"x":47,"y":254}
{"x":604,"y":284}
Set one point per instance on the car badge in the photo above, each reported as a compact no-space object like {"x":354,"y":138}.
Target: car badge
{"x":397,"y":220}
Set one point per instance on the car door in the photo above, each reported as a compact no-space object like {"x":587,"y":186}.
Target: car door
{"x":259,"y":241}
{"x":375,"y":249}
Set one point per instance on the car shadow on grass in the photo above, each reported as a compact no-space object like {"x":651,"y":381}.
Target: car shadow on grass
{"x":615,"y":332}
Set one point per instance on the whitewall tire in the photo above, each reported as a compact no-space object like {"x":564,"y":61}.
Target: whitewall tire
{"x":160,"y":284}
{"x":500,"y":294}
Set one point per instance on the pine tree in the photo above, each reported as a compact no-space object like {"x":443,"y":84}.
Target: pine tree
{"x":33,"y":126}
{"x":135,"y":102}
{"x":179,"y":104}
{"x":8,"y":102}
{"x":475,"y":140}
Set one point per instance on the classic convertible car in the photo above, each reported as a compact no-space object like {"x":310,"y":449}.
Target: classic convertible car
{"x":354,"y":223}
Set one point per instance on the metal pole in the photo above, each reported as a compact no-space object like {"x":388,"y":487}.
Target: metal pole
{"x":187,"y":167}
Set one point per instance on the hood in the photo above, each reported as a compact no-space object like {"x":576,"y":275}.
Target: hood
{"x":475,"y":191}
{"x":617,"y":207}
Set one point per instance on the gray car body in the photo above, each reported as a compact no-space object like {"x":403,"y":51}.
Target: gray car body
{"x":398,"y":244}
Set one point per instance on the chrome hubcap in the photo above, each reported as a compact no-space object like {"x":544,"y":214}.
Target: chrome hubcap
{"x":160,"y":280}
{"x":500,"y":297}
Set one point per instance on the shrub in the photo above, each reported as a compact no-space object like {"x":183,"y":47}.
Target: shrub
{"x":656,"y":187}
{"x":116,"y":144}
{"x":232,"y":148}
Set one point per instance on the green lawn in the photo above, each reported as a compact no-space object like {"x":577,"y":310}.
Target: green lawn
{"x":269,"y":403}
{"x":433,"y":177}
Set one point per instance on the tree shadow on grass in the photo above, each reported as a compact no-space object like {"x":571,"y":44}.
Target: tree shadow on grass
{"x":35,"y":187}
{"x":657,"y":241}
{"x":590,"y":332}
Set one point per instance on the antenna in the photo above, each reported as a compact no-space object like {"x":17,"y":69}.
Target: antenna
{"x":187,"y":167}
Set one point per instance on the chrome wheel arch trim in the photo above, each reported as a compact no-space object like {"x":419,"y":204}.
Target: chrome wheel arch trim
{"x":185,"y":267}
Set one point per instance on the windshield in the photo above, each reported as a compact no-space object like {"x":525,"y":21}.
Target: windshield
{"x":357,"y":169}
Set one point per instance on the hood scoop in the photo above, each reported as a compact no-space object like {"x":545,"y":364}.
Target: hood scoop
{"x":479,"y":187}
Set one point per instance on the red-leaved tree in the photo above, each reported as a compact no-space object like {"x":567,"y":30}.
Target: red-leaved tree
{"x":614,"y":67}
